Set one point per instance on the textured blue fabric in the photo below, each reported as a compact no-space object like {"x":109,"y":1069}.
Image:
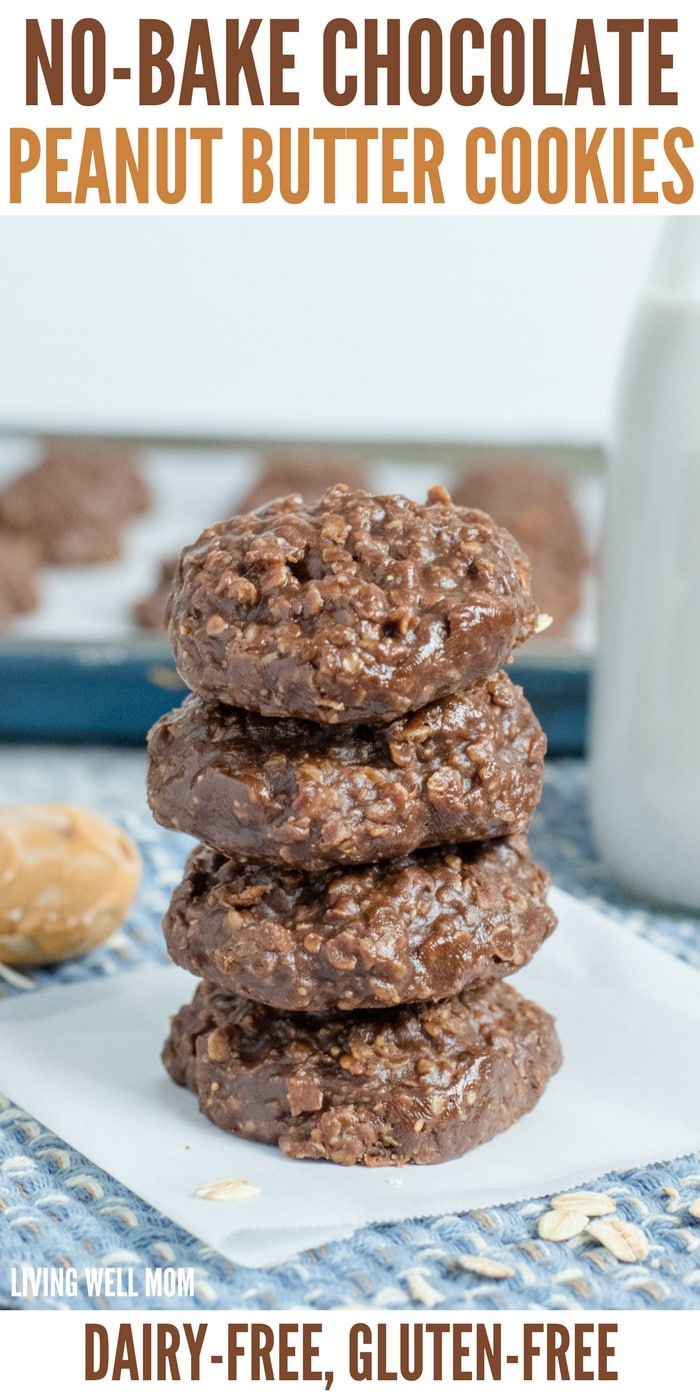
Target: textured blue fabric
{"x":58,"y":1209}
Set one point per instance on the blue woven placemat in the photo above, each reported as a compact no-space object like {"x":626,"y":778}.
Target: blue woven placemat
{"x":58,"y":1209}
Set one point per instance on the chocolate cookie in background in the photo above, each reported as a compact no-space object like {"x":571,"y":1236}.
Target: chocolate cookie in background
{"x":150,"y":612}
{"x":20,"y":561}
{"x":420,"y":1083}
{"x":535,"y":505}
{"x":360,"y":608}
{"x":76,"y":501}
{"x":420,"y":928}
{"x":289,"y":792}
{"x":300,"y":474}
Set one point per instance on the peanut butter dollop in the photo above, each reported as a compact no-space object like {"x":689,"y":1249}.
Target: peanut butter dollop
{"x":67,"y":879}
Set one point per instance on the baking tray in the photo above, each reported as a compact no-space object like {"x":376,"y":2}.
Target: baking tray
{"x":79,"y":670}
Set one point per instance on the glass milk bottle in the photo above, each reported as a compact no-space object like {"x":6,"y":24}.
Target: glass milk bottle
{"x":645,"y":730}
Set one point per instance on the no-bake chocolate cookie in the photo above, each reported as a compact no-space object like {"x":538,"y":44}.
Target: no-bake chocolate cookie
{"x":20,"y":558}
{"x":76,"y":501}
{"x":360,"y":608}
{"x":150,"y":612}
{"x":68,"y":879}
{"x":289,"y":792}
{"x":422,"y":1083}
{"x":415,"y":929}
{"x":535,"y":505}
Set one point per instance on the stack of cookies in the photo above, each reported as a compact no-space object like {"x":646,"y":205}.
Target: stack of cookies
{"x":362,"y":775}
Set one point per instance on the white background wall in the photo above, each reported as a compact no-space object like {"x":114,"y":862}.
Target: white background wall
{"x":491,"y":328}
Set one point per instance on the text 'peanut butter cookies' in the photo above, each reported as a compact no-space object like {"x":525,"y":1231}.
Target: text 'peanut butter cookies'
{"x":359,"y":608}
{"x":417,"y":1084}
{"x":415,"y":929}
{"x":288,"y":792}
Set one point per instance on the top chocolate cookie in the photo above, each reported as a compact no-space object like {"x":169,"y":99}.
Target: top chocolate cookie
{"x":359,"y":608}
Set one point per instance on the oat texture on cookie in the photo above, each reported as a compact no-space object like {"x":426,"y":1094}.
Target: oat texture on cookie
{"x":362,"y":773}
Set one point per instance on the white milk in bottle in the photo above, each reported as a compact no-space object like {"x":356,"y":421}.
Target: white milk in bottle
{"x":645,"y":731}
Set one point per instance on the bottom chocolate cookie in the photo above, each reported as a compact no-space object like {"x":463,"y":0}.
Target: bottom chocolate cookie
{"x":421,"y":1083}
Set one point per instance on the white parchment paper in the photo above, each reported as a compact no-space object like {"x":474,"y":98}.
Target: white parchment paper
{"x":85,"y":1060}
